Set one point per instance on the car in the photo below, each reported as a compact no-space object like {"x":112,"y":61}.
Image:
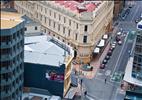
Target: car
{"x":118,"y":38}
{"x":113,"y":45}
{"x":102,"y":66}
{"x":107,"y":57}
{"x":119,"y":33}
{"x":109,"y":53}
{"x":104,"y":61}
{"x":138,"y":20}
{"x":111,"y":49}
{"x":120,"y":42}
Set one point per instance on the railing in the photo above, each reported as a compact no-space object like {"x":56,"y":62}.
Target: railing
{"x":64,"y":46}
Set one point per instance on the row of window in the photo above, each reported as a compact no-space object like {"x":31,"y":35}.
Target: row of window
{"x":9,"y":75}
{"x":59,"y":18}
{"x":138,"y":59}
{"x":11,"y":37}
{"x":138,"y":49}
{"x":35,"y":28}
{"x":9,"y":63}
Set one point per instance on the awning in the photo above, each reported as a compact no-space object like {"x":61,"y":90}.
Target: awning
{"x":96,"y":50}
{"x":101,"y":43}
{"x":105,"y":36}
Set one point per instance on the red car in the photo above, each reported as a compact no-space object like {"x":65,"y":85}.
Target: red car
{"x":102,"y":66}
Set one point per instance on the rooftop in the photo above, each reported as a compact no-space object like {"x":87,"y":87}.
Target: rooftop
{"x":29,"y":20}
{"x":79,"y":5}
{"x":42,"y":50}
{"x":9,"y":19}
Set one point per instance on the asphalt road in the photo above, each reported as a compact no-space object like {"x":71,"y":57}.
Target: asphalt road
{"x":97,"y":88}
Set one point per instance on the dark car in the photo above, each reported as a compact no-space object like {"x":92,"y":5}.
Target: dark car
{"x":104,"y":61}
{"x":102,"y":66}
{"x":107,"y":57}
{"x":110,"y":52}
{"x":138,"y":20}
{"x":118,"y":38}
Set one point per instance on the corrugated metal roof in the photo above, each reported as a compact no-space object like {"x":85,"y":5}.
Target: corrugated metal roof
{"x":43,"y":51}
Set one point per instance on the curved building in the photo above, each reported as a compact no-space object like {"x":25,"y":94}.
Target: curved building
{"x":12,"y":54}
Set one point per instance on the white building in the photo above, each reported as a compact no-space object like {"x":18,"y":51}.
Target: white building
{"x":80,"y":24}
{"x":32,"y":28}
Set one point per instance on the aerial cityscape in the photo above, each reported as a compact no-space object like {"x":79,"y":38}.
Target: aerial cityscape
{"x":71,"y":50}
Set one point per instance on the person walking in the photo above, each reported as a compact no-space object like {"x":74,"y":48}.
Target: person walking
{"x":105,"y":80}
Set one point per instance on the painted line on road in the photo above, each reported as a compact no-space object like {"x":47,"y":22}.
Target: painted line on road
{"x":109,"y":83}
{"x":92,"y":97}
{"x":120,"y":55}
{"x":135,"y":13}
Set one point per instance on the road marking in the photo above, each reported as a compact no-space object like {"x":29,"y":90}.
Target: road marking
{"x":120,"y":55}
{"x":135,"y":13}
{"x":108,"y":72}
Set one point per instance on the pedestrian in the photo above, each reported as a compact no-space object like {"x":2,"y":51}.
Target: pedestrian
{"x":85,"y":93}
{"x":105,"y":80}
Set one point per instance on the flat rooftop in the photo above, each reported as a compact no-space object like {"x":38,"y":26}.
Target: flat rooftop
{"x":42,"y":50}
{"x":29,"y":20}
{"x":79,"y":5}
{"x":10,"y":19}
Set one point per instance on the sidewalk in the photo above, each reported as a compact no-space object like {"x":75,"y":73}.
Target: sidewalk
{"x":95,"y":63}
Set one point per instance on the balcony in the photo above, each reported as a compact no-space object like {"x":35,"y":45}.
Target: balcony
{"x":6,"y":57}
{"x":6,"y":44}
{"x":4,"y":94}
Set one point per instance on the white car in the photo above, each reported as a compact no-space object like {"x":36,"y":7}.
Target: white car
{"x":119,"y":33}
{"x":113,"y":44}
{"x":120,"y":42}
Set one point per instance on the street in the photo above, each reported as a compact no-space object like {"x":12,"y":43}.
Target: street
{"x":97,"y":88}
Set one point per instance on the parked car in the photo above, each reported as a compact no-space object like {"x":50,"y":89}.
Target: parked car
{"x":138,"y":20}
{"x":111,"y":49}
{"x":107,"y":57}
{"x":109,"y":53}
{"x":120,"y":42}
{"x":104,"y":61}
{"x":102,"y":66}
{"x":118,"y":38}
{"x":119,"y":33}
{"x":113,"y":44}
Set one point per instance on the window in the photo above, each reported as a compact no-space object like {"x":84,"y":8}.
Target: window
{"x":49,"y":22}
{"x":45,"y":10}
{"x":64,"y":20}
{"x":84,"y":39}
{"x":25,"y":29}
{"x":44,"y":19}
{"x":59,"y":17}
{"x":63,"y":30}
{"x":76,"y":26}
{"x":59,"y":27}
{"x":76,"y":36}
{"x":69,"y":32}
{"x":35,"y":27}
{"x":50,"y":12}
{"x":54,"y":25}
{"x":54,"y":15}
{"x":85,"y":28}
{"x":70,"y":22}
